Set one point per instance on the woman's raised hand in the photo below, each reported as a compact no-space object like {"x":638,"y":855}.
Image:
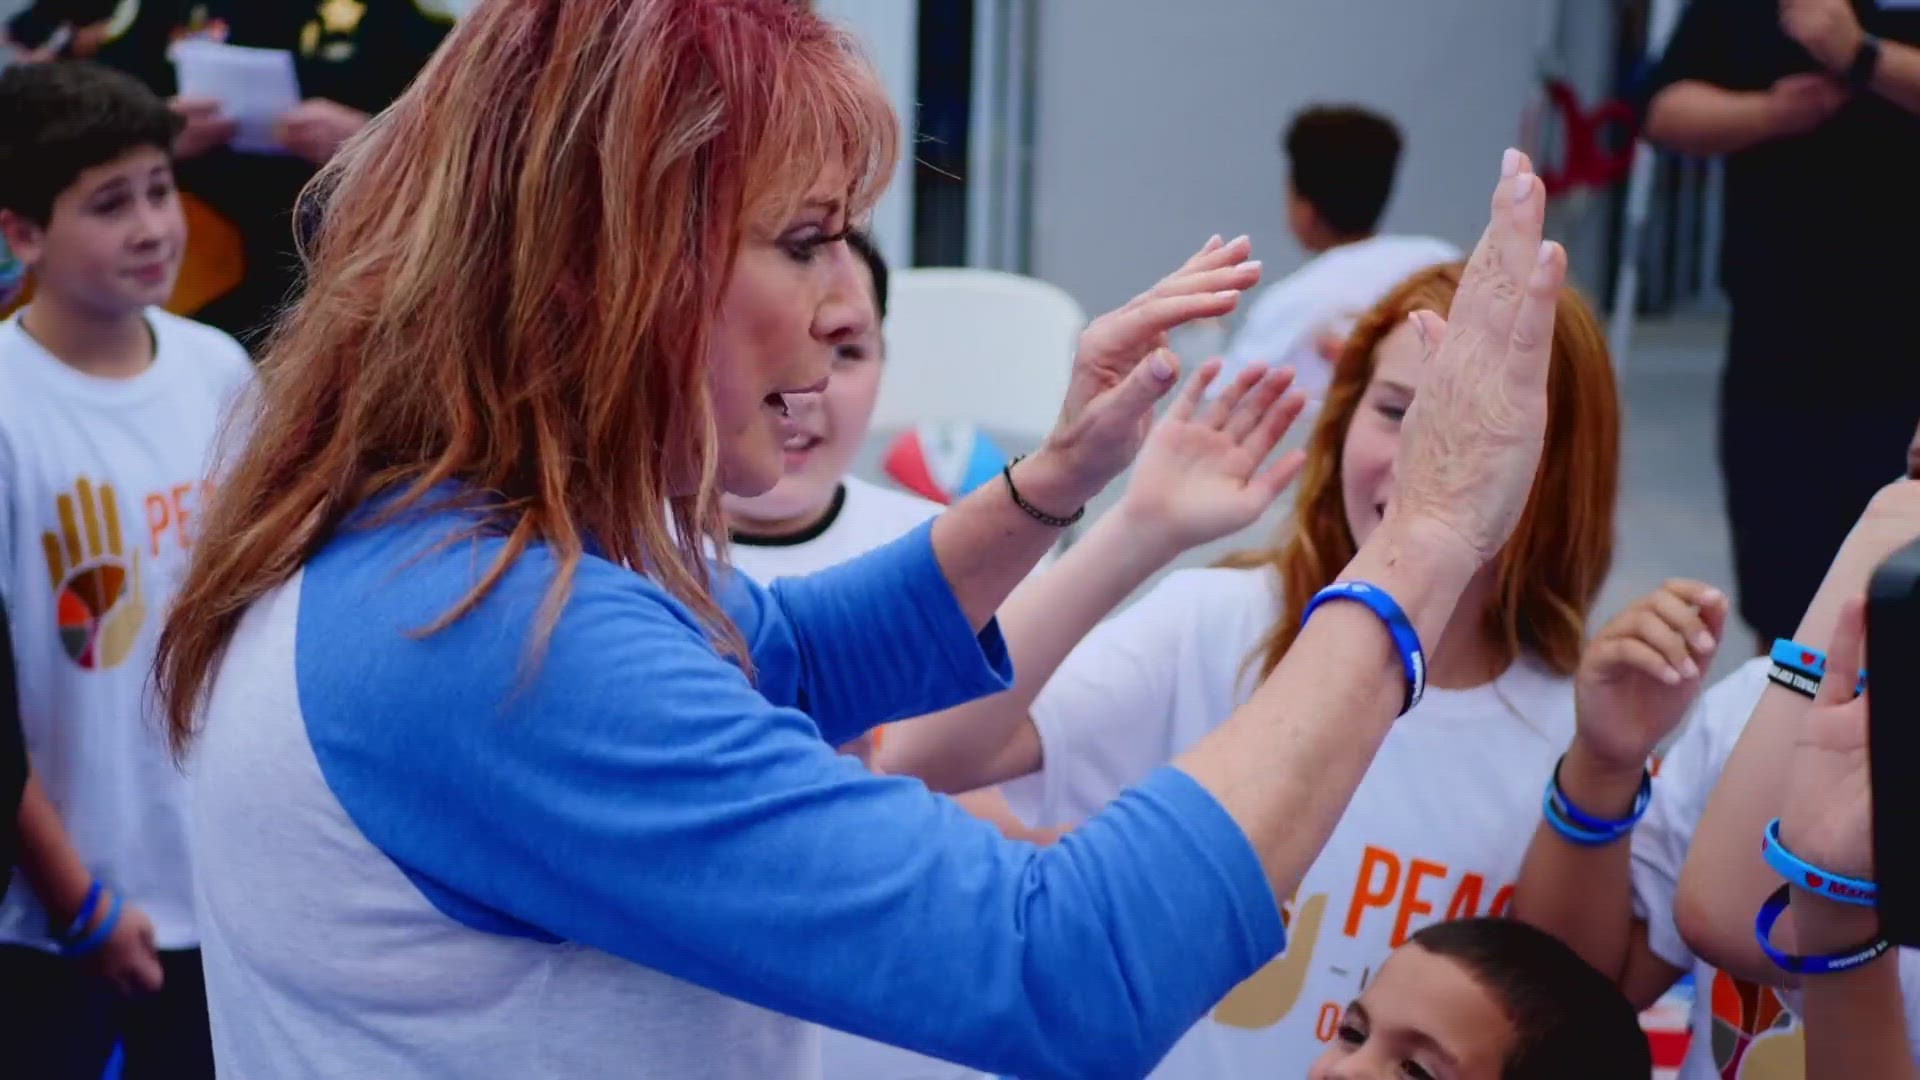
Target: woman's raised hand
{"x":1123,"y":365}
{"x":1199,"y":476}
{"x":1471,"y":441}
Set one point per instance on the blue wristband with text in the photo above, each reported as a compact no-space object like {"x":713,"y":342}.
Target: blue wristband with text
{"x":1830,"y":964}
{"x":1406,"y":640}
{"x":87,"y":908}
{"x":1807,"y":876}
{"x":1801,"y":669}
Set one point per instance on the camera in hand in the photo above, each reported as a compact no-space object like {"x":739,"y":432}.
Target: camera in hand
{"x":1893,"y":647}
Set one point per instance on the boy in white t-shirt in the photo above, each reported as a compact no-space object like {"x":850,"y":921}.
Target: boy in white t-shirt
{"x":109,"y":410}
{"x":1341,"y":166}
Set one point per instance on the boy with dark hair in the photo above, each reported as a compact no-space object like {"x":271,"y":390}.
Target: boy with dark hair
{"x":1341,"y":162}
{"x":109,"y":409}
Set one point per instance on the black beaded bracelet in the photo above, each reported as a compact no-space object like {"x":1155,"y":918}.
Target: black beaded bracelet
{"x":1033,"y":511}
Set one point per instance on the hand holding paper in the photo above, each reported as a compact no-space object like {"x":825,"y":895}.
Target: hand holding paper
{"x":253,"y":87}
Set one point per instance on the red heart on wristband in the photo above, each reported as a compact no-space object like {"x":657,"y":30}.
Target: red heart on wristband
{"x":1814,"y":881}
{"x":1808,"y":658}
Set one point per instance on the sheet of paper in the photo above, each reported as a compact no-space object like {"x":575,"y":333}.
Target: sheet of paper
{"x":255,"y":87}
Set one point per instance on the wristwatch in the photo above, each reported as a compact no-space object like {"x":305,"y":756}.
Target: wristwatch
{"x":1866,"y":60}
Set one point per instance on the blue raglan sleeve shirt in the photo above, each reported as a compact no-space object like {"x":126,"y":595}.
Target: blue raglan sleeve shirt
{"x":635,"y":793}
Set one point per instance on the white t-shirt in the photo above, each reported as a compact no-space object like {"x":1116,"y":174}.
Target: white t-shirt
{"x":1739,"y":1030}
{"x":1331,"y":290}
{"x":101,"y":486}
{"x":864,"y":517}
{"x":1437,"y":829}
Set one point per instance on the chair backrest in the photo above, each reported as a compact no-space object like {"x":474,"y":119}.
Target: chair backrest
{"x":980,"y":346}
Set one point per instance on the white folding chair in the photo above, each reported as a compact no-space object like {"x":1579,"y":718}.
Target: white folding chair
{"x":982,"y":347}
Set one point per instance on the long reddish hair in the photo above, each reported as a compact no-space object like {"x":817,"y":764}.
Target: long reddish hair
{"x":511,"y":286}
{"x":1553,"y":566}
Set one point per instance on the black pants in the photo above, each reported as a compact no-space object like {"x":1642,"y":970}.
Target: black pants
{"x":59,"y":1023}
{"x":1800,"y":466}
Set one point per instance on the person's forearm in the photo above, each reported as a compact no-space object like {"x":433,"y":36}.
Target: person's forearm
{"x":1286,"y":763}
{"x":1725,"y":880}
{"x":986,"y":544}
{"x":47,"y":857}
{"x":992,"y":740}
{"x":1856,"y":1021}
{"x":1584,"y":895}
{"x":1703,"y":120}
{"x":1898,"y":76}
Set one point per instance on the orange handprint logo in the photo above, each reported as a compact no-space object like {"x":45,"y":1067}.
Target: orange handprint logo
{"x":96,"y":578}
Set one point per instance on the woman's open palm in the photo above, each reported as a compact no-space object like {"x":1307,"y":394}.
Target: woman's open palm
{"x":1199,"y":476}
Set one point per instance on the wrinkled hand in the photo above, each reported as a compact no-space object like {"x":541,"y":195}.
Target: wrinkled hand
{"x":1826,"y":28}
{"x":1470,"y":444}
{"x":1799,"y":104}
{"x":129,"y":961}
{"x":1110,"y":398}
{"x":316,"y":128}
{"x":1827,"y":818}
{"x":1199,"y":476}
{"x":1643,"y":671}
{"x":207,"y":127}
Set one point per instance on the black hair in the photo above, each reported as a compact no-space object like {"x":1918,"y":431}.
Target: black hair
{"x":863,"y":246}
{"x":1569,"y":1021}
{"x":1342,"y":160}
{"x":59,"y":119}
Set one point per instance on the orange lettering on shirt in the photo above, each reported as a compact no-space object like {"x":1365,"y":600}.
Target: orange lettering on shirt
{"x":1410,"y":902}
{"x":1466,"y":899}
{"x":181,"y":516}
{"x":1328,"y":1024}
{"x":1365,"y":893}
{"x":1502,"y":900}
{"x":159,"y":516}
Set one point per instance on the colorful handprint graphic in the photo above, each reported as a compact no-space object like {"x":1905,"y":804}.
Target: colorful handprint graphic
{"x":96,"y":578}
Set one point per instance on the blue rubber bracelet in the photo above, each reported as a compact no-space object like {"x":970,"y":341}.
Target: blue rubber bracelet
{"x":1405,"y":639}
{"x":1829,"y":964}
{"x":87,"y":907}
{"x":1809,"y":664}
{"x":1582,"y":828}
{"x":1805,"y":875}
{"x":92,"y":942}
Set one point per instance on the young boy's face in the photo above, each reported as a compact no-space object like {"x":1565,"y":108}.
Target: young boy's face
{"x":823,"y":433}
{"x":113,"y":241}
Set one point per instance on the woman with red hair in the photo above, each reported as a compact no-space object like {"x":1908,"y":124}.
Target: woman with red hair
{"x":493,"y":776}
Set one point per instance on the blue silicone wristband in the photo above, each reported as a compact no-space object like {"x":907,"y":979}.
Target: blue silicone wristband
{"x":92,"y":942}
{"x":1405,"y":639}
{"x":87,"y":908}
{"x":1810,"y":664}
{"x":1584,"y":829}
{"x":1805,"y":875}
{"x":1829,"y":964}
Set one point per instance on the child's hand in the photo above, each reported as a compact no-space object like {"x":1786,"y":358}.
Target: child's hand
{"x":129,"y":961}
{"x":1827,"y":818}
{"x":1644,"y":670}
{"x":1199,"y":476}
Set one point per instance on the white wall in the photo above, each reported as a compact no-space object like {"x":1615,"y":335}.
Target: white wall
{"x":1158,"y":121}
{"x":890,"y":31}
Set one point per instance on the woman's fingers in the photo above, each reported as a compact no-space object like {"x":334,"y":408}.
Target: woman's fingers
{"x":1502,"y":262}
{"x":1633,"y":654}
{"x":1275,"y":424}
{"x":1259,"y":403}
{"x":1848,"y":655}
{"x":1188,"y":401}
{"x":1273,"y":480}
{"x":1242,"y":276}
{"x":1680,"y":614}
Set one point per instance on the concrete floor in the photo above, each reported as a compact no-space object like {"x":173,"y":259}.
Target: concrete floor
{"x":1671,"y":521}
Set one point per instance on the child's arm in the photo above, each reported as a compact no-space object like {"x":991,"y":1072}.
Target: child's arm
{"x":1198,"y":478}
{"x":1856,"y":1020}
{"x":1636,"y":683}
{"x":1725,"y":880}
{"x":128,"y":959}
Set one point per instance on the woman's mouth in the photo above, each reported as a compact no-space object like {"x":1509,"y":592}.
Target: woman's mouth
{"x":798,"y":447}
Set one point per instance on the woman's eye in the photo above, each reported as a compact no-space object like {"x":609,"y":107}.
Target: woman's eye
{"x":1351,"y":1035}
{"x":1395,"y":413}
{"x":1416,"y":1071}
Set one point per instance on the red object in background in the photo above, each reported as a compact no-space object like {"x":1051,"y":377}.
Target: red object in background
{"x":1587,"y":162}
